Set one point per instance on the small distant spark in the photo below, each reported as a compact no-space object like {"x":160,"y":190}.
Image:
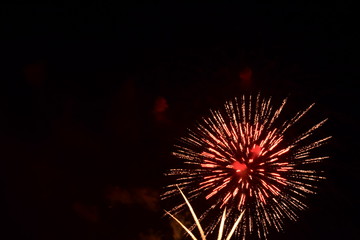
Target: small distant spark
{"x":244,"y":159}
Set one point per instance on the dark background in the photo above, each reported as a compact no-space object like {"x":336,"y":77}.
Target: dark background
{"x":93,"y":97}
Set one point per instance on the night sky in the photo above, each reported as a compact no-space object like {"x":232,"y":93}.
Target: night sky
{"x":94,"y":96}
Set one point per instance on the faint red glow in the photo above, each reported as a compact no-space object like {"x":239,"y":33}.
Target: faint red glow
{"x":35,"y":73}
{"x":145,"y":197}
{"x":245,"y":76}
{"x":160,"y":105}
{"x":159,"y":110}
{"x":88,"y":212}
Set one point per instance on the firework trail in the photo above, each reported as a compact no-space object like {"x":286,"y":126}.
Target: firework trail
{"x":244,"y":159}
{"x":202,"y":234}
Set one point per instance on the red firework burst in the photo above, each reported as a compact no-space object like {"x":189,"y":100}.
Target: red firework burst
{"x":241,"y":158}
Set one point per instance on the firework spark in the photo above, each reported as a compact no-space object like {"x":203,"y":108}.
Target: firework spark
{"x":197,"y":222}
{"x":243,"y":159}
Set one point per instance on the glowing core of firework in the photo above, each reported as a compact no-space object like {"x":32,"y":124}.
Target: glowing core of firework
{"x":240,"y":168}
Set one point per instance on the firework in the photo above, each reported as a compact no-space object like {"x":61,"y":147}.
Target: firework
{"x":197,"y":222}
{"x":244,"y":158}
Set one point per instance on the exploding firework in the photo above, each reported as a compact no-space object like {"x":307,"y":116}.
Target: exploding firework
{"x":244,"y":158}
